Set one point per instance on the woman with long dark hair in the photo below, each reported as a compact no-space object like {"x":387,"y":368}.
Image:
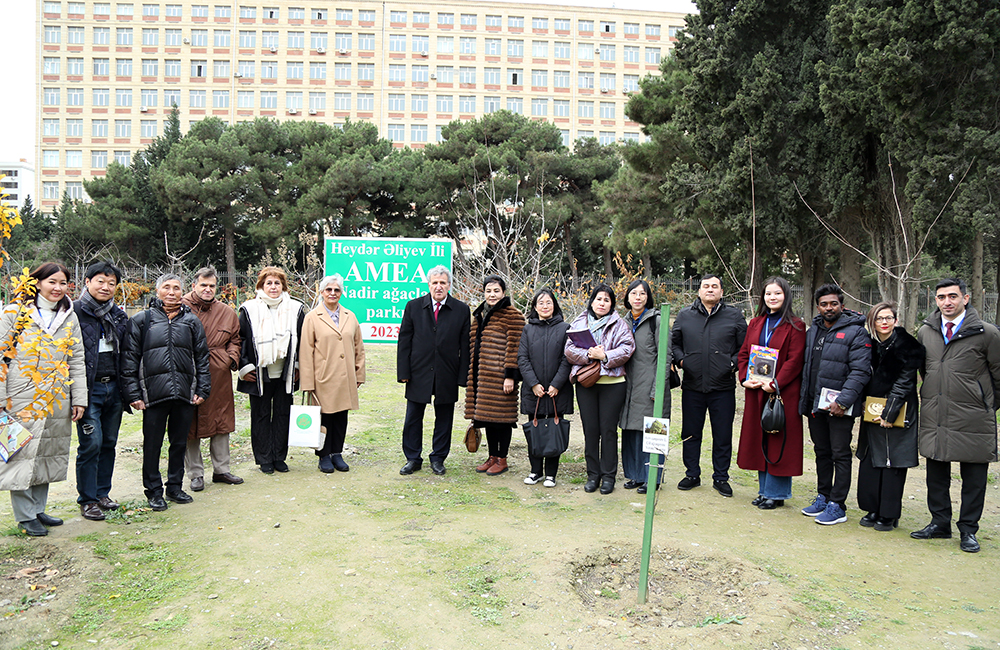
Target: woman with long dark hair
{"x":39,"y":330}
{"x":777,"y":457}
{"x":545,"y":371}
{"x":601,"y":404}
{"x":885,"y":451}
{"x":490,"y":395}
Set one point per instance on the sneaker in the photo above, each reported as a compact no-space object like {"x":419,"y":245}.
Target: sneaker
{"x":689,"y":482}
{"x":833,"y":514}
{"x":532,"y":479}
{"x":550,"y":481}
{"x":818,"y":505}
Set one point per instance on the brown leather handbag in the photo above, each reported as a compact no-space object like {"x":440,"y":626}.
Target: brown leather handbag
{"x":589,"y":374}
{"x":473,"y":437}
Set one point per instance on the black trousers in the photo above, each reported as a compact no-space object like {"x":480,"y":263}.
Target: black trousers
{"x":721,"y":408}
{"x":336,"y":432}
{"x":831,"y":438}
{"x":413,"y":430}
{"x":172,"y":418}
{"x":973,"y":494}
{"x":880,"y":489}
{"x":600,"y":406}
{"x":498,"y":439}
{"x":269,"y":423}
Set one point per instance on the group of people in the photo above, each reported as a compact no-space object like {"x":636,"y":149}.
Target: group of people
{"x":174,"y":362}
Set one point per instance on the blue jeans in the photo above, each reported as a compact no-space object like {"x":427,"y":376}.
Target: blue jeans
{"x":97,"y":432}
{"x":774,"y":487}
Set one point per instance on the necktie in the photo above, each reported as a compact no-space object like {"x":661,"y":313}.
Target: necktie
{"x":947,"y":335}
{"x":437,"y":308}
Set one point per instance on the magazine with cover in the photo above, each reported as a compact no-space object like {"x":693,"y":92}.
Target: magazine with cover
{"x":828,"y":396}
{"x":13,"y":436}
{"x":582,"y":338}
{"x":763,"y":362}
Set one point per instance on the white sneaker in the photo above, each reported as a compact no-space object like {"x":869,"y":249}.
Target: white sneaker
{"x":549,"y":482}
{"x":532,"y":479}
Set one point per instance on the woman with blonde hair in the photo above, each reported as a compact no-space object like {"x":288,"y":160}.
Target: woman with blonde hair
{"x":332,"y":368}
{"x":270,"y":327}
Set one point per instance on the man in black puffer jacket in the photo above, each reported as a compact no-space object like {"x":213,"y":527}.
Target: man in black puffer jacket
{"x":838,"y":357}
{"x":166,"y":375}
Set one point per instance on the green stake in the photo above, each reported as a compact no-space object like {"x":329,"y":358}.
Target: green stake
{"x":654,"y":459}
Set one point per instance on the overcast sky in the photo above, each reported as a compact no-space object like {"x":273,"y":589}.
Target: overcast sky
{"x":18,"y":50}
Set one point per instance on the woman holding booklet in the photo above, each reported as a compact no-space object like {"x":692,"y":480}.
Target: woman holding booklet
{"x":887,"y":444}
{"x":771,"y":360}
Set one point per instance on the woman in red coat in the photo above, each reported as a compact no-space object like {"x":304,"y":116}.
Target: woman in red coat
{"x":777,"y":457}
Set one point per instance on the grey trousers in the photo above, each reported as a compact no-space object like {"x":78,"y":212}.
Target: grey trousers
{"x":218,"y":449}
{"x":28,"y":503}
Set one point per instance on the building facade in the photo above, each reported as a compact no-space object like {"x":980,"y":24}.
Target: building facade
{"x":110,"y":72}
{"x":18,"y":182}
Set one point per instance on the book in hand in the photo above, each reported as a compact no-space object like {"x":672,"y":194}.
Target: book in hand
{"x":873,"y":409}
{"x":827,"y":396}
{"x":582,"y":338}
{"x":762,"y":363}
{"x":13,"y":436}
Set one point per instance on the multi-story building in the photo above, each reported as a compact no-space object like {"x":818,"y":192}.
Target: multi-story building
{"x":18,"y":182}
{"x":109,"y":72}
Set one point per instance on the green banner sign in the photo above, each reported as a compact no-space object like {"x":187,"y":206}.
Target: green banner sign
{"x":381,"y":275}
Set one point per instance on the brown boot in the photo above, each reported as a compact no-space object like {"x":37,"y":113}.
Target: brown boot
{"x":499,"y":467}
{"x":488,"y":464}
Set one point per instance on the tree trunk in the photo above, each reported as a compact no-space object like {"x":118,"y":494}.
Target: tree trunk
{"x":230,"y":237}
{"x":573,"y":271}
{"x":647,"y":265}
{"x":609,"y":266}
{"x":976,"y":282}
{"x":850,"y":277}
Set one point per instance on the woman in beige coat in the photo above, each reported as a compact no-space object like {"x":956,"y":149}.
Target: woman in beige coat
{"x":53,"y":327}
{"x":332,"y":368}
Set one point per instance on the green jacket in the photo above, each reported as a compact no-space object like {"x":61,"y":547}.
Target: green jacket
{"x":960,"y":392}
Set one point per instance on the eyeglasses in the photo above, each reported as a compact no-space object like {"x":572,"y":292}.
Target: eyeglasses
{"x":885,"y":319}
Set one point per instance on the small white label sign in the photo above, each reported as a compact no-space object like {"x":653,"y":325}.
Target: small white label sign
{"x":655,"y":435}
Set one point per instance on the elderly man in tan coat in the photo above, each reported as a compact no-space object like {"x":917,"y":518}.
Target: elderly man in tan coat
{"x":332,"y":368}
{"x":214,"y":419}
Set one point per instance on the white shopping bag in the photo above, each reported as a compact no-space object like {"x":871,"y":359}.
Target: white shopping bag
{"x":303,"y":427}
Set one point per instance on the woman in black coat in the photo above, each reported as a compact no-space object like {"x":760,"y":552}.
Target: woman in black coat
{"x":545,"y":371}
{"x":884,"y":451}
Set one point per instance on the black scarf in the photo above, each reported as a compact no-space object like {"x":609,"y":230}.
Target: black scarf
{"x":102,"y":312}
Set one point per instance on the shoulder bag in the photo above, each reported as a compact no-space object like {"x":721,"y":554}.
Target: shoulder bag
{"x":548,"y":437}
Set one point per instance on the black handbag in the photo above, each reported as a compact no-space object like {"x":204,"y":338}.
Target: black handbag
{"x":547,"y":437}
{"x":772,"y":421}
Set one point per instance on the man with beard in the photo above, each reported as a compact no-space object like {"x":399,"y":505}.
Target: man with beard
{"x":102,"y":325}
{"x":837,"y":368}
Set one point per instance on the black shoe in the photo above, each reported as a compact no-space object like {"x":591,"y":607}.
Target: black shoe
{"x":157,"y":503}
{"x":33,"y":528}
{"x":590,"y":485}
{"x":771,"y":504}
{"x":969,"y":543}
{"x":931,"y":531}
{"x":339,"y":464}
{"x":280,"y":466}
{"x":267,"y":468}
{"x":46,"y":520}
{"x":411,"y":466}
{"x":180,"y":496}
{"x":326,"y":465}
{"x":607,"y":486}
{"x":759,"y":500}
{"x":437,"y":467}
{"x":868,"y":521}
{"x":689,"y":482}
{"x":640,"y":489}
{"x":884,"y":524}
{"x":723,"y":488}
{"x":631,"y":485}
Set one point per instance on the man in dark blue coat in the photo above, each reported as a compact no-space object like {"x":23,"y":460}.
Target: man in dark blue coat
{"x":838,"y":359}
{"x":432,"y":359}
{"x":103,"y":325}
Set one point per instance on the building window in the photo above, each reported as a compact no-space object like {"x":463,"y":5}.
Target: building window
{"x":51,"y":65}
{"x":123,"y":67}
{"x":341,"y":101}
{"x":319,"y":14}
{"x":317,"y":70}
{"x":397,"y":17}
{"x":171,"y":97}
{"x":269,"y":99}
{"x":199,"y":37}
{"x":317,"y":101}
{"x":445,"y":45}
{"x":248,"y":39}
{"x":148,"y":97}
{"x":150,"y":10}
{"x":539,"y":107}
{"x":439,"y":133}
{"x":102,"y":8}
{"x":653,"y":55}
{"x":296,"y":13}
{"x":123,"y":128}
{"x":421,"y":18}
{"x":607,"y":27}
{"x":585,"y":109}
{"x":366,"y":42}
{"x":150,"y":36}
{"x":585,"y":26}
{"x":366,"y":101}
{"x":467,"y":75}
{"x":366,"y":72}
{"x":318,"y":40}
{"x":220,"y":69}
{"x":561,"y":24}
{"x":607,"y":110}
{"x":74,"y":35}
{"x":50,"y":96}
{"x":173,"y":11}
{"x":296,"y":40}
{"x":223,"y":11}
{"x":293,"y":100}
{"x":396,"y":132}
{"x":585,"y":51}
{"x":515,"y":48}
{"x":123,"y":97}
{"x":631,"y":28}
{"x":342,"y":71}
{"x":446,"y":19}
{"x":515,"y":76}
{"x":631,"y":54}
{"x":491,"y":76}
{"x":560,"y":78}
{"x":585,"y":80}
{"x":674,"y":32}
{"x":220,"y":99}
{"x":494,"y":21}
{"x":397,"y":72}
{"x":172,"y":68}
{"x":630,"y":137}
{"x":607,"y":52}
{"x":445,"y":74}
{"x":123,"y":36}
{"x":421,"y":44}
{"x":199,"y":11}
{"x":101,"y":97}
{"x":397,"y":102}
{"x":244,"y":98}
{"x":652,"y":30}
{"x":565,"y":136}
{"x":631,"y":83}
{"x":147,"y":128}
{"x":418,"y":133}
{"x":444,"y":103}
{"x":515,"y":105}
{"x":268,"y":69}
{"x":74,"y":189}
{"x":342,"y":41}
{"x":540,"y":49}
{"x":606,"y":137}
{"x":123,"y":158}
{"x":515,"y":22}
{"x":421,"y":73}
{"x":561,"y":50}
{"x":74,"y":159}
{"x":270,"y":13}
{"x":469,"y":19}
{"x":248,"y":12}
{"x":196,"y":99}
{"x":98,"y":159}
{"x":50,"y":127}
{"x":583,"y":135}
{"x":608,"y":82}
{"x":74,"y":128}
{"x":493,"y":47}
{"x":53,"y":34}
{"x":98,"y":128}
{"x":172,"y":38}
{"x":74,"y":96}
{"x":101,"y":36}
{"x":199,"y":69}
{"x":221,"y":38}
{"x":491,"y":104}
{"x":50,"y":158}
{"x":50,"y":189}
{"x":467,"y":45}
{"x":540,"y":23}
{"x":52,"y":8}
{"x":366,"y":16}
{"x":540,"y":78}
{"x":397,"y":42}
{"x":467,"y":104}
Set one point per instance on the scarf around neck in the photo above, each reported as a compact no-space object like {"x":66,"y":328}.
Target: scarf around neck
{"x":597,"y":325}
{"x":272,"y":321}
{"x":102,"y":312}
